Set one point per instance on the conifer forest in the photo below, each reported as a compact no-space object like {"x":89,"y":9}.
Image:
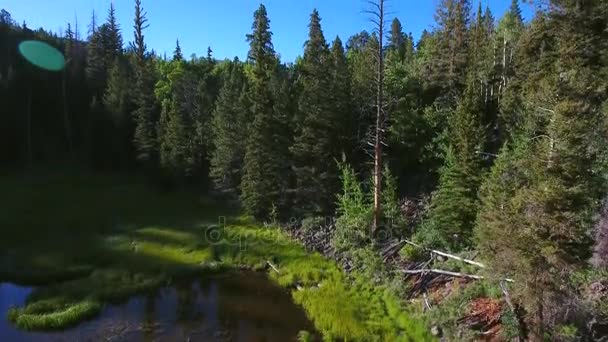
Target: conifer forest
{"x":453,"y":187}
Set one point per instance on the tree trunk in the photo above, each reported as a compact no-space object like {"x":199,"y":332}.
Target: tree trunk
{"x":379,"y":121}
{"x":540,"y":321}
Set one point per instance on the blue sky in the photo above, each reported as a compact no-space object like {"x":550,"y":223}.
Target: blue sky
{"x":223,"y":24}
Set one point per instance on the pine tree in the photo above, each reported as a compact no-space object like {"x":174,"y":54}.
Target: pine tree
{"x":265,"y":165}
{"x":114,"y":38}
{"x":481,"y":65}
{"x":144,"y":114}
{"x":177,"y":54}
{"x":95,"y":66}
{"x":69,"y":42}
{"x":361,"y":54}
{"x":117,"y":102}
{"x":341,"y":100}
{"x":229,"y":127}
{"x":397,"y":40}
{"x":454,"y":204}
{"x":314,"y":145}
{"x":209,"y":55}
{"x":449,"y":64}
{"x":182,"y":128}
{"x":173,"y":126}
{"x":547,"y":237}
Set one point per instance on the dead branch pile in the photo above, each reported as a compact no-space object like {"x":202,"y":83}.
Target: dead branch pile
{"x":317,"y":239}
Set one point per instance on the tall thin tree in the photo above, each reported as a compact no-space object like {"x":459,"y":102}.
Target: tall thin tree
{"x":144,"y":136}
{"x":377,"y":13}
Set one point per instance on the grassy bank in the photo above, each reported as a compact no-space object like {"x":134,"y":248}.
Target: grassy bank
{"x":87,"y":240}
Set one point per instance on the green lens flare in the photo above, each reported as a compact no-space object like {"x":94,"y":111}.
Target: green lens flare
{"x":42,"y":55}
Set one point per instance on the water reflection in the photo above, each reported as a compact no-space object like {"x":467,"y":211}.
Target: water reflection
{"x":230,"y":307}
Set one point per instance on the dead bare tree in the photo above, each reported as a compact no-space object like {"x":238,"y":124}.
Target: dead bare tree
{"x":377,"y":13}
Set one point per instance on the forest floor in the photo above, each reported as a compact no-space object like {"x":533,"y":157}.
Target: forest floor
{"x":88,"y":239}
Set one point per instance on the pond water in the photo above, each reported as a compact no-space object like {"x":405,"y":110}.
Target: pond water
{"x":230,"y":307}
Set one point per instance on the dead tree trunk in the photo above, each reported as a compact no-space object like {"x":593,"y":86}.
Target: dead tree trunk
{"x":378,"y":19}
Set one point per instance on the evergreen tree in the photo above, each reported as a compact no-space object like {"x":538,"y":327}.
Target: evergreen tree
{"x":397,"y":40}
{"x":481,"y":64}
{"x":548,"y":235}
{"x":177,"y":54}
{"x":69,"y":42}
{"x":105,"y":45}
{"x":117,"y":102}
{"x":361,"y":55}
{"x":229,"y":127}
{"x":449,"y":64}
{"x":314,"y":145}
{"x":95,"y":67}
{"x":144,"y":114}
{"x":341,"y":100}
{"x":174,"y":126}
{"x":509,"y":30}
{"x":454,"y":204}
{"x":114,"y":38}
{"x":209,"y":54}
{"x":265,"y":165}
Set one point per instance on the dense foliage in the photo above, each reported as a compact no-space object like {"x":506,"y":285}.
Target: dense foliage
{"x":501,"y":121}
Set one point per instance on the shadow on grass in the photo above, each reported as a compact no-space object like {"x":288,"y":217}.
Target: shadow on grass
{"x":93,"y":239}
{"x":90,"y":240}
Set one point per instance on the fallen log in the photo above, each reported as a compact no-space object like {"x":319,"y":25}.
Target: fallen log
{"x":449,"y":273}
{"x":444,"y":254}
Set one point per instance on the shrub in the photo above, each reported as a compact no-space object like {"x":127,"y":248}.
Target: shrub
{"x":354,"y":213}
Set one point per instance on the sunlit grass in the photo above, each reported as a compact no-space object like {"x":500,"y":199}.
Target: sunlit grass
{"x":53,"y":314}
{"x":91,"y":240}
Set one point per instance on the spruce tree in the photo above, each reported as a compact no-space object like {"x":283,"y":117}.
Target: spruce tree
{"x":95,"y":66}
{"x":450,"y":62}
{"x":182,"y":128}
{"x":314,"y":146}
{"x":144,"y":115}
{"x":397,"y":40}
{"x":341,"y":100}
{"x":547,"y":237}
{"x":454,"y":204}
{"x":229,"y":127}
{"x":265,"y":165}
{"x":114,"y":38}
{"x":177,"y":54}
{"x":117,"y":102}
{"x":69,"y":42}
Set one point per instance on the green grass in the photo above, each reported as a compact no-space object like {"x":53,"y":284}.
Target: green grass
{"x":89,"y":239}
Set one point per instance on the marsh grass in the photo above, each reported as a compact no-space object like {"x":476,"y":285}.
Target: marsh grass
{"x":86,"y":240}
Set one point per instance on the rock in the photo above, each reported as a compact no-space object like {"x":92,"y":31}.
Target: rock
{"x":436,"y":331}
